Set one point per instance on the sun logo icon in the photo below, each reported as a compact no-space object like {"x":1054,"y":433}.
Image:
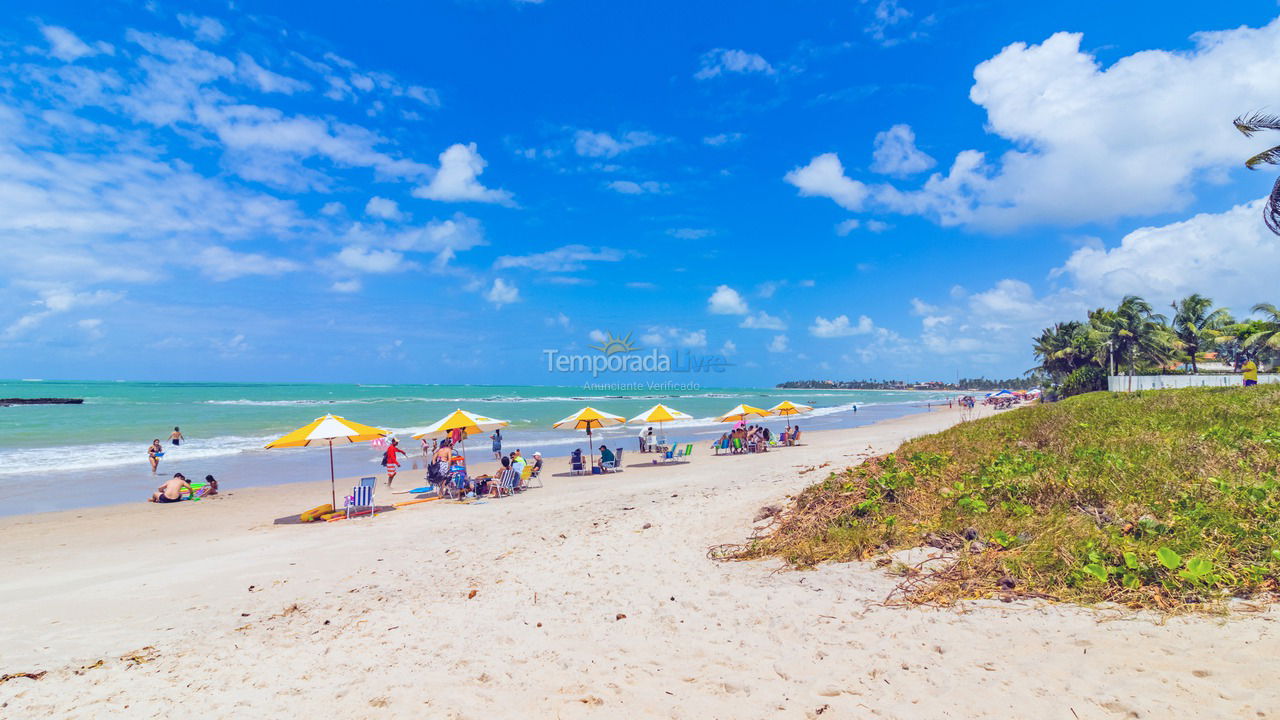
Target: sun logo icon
{"x":615,"y":345}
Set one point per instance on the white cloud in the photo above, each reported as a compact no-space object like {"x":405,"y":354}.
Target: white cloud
{"x":824,"y":177}
{"x":1229,"y":256}
{"x":372,"y":261}
{"x":66,"y":46}
{"x":205,"y":28}
{"x":457,"y":179}
{"x":559,"y":319}
{"x":502,"y":293}
{"x":690,"y":233}
{"x":778,"y":344}
{"x":728,"y":348}
{"x":641,"y":285}
{"x":888,"y":21}
{"x":265,"y":80}
{"x":920,"y":307}
{"x":627,"y":187}
{"x":1086,"y":147}
{"x":847,"y":227}
{"x":762,"y":321}
{"x":877,"y":226}
{"x":726,"y":301}
{"x":55,"y":301}
{"x":896,"y":153}
{"x":347,"y":286}
{"x":598,"y":336}
{"x":840,"y":327}
{"x":694,"y":339}
{"x":723,"y":139}
{"x":333,"y":208}
{"x":381,"y":207}
{"x":718,"y":61}
{"x":220,"y":263}
{"x":588,"y":143}
{"x":569,"y":258}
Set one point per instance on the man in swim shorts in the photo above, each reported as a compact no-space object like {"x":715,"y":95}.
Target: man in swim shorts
{"x":176,"y":437}
{"x":172,"y":491}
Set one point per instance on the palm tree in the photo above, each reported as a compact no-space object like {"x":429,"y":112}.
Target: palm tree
{"x":1250,"y":124}
{"x":1195,"y":325}
{"x":1264,"y":337}
{"x":1063,"y":348}
{"x":1135,"y":332}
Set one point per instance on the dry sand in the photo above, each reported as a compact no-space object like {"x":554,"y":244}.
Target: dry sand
{"x":592,"y":597}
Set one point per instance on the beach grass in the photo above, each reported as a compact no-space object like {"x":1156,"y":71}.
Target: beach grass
{"x":1164,"y":499}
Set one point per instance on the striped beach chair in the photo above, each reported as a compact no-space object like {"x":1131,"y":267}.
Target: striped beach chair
{"x":361,"y":496}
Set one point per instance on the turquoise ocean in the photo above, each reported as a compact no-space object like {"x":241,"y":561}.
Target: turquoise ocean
{"x":101,"y":445}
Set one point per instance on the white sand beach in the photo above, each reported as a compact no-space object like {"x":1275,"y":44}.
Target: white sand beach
{"x":592,"y":597}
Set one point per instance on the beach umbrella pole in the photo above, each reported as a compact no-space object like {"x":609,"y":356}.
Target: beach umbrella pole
{"x":333,"y":484}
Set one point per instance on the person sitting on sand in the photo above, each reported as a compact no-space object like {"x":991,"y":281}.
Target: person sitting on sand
{"x":172,"y":491}
{"x":518,"y":464}
{"x":211,"y":485}
{"x":154,"y":453}
{"x":606,"y":456}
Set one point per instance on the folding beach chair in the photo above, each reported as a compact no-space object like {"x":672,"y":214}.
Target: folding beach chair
{"x":527,"y":477}
{"x":688,"y":451}
{"x":617,"y":460}
{"x":361,"y":496}
{"x":577,"y":467}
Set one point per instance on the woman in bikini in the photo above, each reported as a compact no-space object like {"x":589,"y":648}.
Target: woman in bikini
{"x":153,"y":454}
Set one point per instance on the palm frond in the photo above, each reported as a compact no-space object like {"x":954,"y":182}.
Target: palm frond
{"x":1271,"y":211}
{"x":1255,"y":121}
{"x":1266,"y":157}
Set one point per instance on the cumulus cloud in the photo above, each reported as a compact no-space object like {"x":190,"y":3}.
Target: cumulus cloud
{"x":369,"y":260}
{"x":220,"y":263}
{"x":55,"y":301}
{"x":588,"y":143}
{"x":502,"y":293}
{"x":456,"y":180}
{"x":568,"y":258}
{"x":896,"y":153}
{"x":762,"y":321}
{"x":716,"y":62}
{"x":726,"y":301}
{"x":824,"y":177}
{"x":840,"y":327}
{"x":779,"y":344}
{"x":381,"y":207}
{"x":847,"y":227}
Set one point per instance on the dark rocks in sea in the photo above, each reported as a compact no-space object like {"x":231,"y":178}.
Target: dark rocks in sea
{"x":5,"y":402}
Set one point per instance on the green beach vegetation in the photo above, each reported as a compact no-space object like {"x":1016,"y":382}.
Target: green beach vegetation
{"x":1166,"y":499}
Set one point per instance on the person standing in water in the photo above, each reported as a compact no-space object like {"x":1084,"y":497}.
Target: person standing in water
{"x":154,"y":453}
{"x":176,"y":437}
{"x":496,"y":437}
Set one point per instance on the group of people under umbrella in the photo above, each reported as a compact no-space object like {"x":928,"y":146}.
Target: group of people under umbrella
{"x":460,"y":424}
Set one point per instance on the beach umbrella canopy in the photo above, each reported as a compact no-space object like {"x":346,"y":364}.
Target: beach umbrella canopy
{"x":587,"y":419}
{"x":468,"y":422}
{"x":324,"y":431}
{"x":786,"y":407}
{"x":659,"y":414}
{"x":741,"y":413}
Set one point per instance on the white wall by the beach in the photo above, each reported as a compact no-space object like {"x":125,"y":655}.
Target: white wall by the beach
{"x":1124,"y":383}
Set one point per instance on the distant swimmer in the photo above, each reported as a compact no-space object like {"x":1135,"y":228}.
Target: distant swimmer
{"x":176,"y":437}
{"x":154,"y":453}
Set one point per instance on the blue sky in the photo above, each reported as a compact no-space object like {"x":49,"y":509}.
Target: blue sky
{"x":437,"y":192}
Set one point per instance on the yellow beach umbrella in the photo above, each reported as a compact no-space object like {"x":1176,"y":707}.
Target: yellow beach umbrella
{"x":468,"y":422}
{"x":741,"y":413}
{"x":659,"y":414}
{"x":323,"y":431}
{"x":786,"y":407}
{"x":586,"y":419}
